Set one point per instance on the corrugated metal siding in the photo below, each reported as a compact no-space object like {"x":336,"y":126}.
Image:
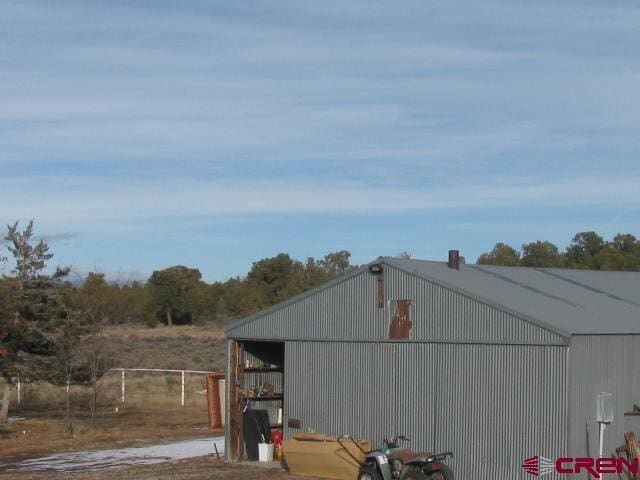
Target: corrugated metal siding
{"x":492,"y":405}
{"x":498,"y":405}
{"x":347,"y":311}
{"x":341,"y":388}
{"x":339,"y":311}
{"x":603,"y":364}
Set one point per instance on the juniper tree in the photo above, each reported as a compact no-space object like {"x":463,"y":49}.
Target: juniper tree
{"x":29,"y":308}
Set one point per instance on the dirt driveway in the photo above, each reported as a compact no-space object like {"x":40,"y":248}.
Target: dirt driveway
{"x":200,"y":468}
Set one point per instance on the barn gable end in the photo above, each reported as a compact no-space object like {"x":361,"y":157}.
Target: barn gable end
{"x":347,"y":310}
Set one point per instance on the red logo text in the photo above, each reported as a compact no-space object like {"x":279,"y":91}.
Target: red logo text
{"x":539,"y":466}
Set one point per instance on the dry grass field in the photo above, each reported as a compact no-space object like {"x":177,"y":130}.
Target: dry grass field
{"x":151,"y":410}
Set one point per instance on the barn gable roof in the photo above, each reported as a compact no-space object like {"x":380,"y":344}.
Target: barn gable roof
{"x":295,"y":299}
{"x":563,"y":301}
{"x":572,"y":301}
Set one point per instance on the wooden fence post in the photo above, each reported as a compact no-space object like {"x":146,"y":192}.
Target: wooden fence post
{"x":213,"y":401}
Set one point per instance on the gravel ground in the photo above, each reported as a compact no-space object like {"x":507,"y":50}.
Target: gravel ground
{"x":201,"y":468}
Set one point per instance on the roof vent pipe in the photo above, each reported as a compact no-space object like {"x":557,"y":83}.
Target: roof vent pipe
{"x":454,"y":259}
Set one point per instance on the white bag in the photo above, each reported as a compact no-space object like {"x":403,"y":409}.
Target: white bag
{"x":265,"y":452}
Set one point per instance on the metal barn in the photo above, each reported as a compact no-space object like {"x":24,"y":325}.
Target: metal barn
{"x":496,"y":364}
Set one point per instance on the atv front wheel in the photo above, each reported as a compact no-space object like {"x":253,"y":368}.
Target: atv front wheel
{"x":444,"y":473}
{"x":369,"y":472}
{"x":415,"y":473}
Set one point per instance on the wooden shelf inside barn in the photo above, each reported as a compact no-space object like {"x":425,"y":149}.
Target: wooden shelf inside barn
{"x":262,"y":369}
{"x":265,"y":398}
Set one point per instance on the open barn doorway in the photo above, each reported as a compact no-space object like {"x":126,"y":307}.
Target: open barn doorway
{"x":256,"y":396}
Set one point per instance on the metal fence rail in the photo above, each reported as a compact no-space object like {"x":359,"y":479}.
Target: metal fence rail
{"x":181,"y":372}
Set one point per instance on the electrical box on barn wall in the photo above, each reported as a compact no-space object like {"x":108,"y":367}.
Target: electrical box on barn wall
{"x":604,"y":412}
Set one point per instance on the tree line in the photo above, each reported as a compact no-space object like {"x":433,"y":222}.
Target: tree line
{"x":52,"y":329}
{"x":587,"y":250}
{"x":177,"y":295}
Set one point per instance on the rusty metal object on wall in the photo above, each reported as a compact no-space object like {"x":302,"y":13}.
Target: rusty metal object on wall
{"x":400,"y":327}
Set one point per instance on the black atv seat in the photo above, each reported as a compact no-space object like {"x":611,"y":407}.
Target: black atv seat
{"x":407,"y":455}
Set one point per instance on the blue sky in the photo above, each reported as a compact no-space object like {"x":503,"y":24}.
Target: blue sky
{"x":145,"y":134}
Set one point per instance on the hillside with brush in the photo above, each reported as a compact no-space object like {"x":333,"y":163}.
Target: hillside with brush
{"x":180,"y":347}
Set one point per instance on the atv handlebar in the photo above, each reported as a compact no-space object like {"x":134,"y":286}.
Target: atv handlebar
{"x":392,"y":442}
{"x":439,"y":456}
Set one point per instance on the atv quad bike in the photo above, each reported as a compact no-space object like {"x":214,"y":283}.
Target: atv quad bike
{"x":395,"y":463}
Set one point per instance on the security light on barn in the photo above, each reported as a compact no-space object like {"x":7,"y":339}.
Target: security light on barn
{"x":375,"y":268}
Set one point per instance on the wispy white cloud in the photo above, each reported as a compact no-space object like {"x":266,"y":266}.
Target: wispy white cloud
{"x":81,"y":200}
{"x":231,"y":84}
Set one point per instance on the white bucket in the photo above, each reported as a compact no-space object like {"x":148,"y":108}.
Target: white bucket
{"x":265,"y":452}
